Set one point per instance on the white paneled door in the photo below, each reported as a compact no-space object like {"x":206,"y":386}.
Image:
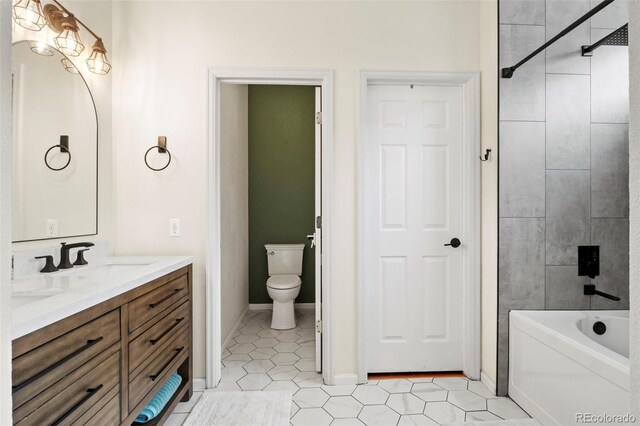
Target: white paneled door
{"x":413,"y":207}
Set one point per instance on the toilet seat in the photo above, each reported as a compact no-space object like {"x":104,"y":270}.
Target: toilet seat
{"x":284,"y":282}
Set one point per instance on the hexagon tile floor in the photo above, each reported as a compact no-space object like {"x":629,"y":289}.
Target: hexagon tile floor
{"x":260,"y":358}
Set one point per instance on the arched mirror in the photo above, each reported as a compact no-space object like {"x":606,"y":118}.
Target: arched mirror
{"x":55,"y":147}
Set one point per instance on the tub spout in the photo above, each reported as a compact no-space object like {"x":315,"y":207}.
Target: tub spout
{"x":590,"y":290}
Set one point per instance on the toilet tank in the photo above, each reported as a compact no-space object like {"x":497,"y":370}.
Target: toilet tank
{"x":284,"y":259}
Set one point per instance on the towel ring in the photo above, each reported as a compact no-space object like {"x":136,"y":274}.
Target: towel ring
{"x":62,"y":149}
{"x":162,"y":149}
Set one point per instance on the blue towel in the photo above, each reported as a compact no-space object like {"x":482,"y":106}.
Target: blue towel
{"x":155,"y":406}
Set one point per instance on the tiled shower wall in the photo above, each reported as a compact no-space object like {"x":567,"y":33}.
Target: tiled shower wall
{"x":563,"y":161}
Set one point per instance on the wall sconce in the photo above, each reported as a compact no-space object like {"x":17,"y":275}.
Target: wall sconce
{"x":31,"y":15}
{"x":28,"y":14}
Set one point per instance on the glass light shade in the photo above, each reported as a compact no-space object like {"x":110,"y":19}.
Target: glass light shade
{"x":97,"y":61}
{"x":28,"y":14}
{"x":68,"y":41}
{"x":69,"y":66}
{"x":41,"y":48}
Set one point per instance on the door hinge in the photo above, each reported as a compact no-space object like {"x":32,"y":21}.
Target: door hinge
{"x":319,"y":222}
{"x":319,"y":326}
{"x":319,"y":117}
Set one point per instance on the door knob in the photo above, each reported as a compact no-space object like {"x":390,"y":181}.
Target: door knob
{"x":455,"y":243}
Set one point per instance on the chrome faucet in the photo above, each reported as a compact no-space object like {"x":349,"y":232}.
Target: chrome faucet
{"x":65,"y":263}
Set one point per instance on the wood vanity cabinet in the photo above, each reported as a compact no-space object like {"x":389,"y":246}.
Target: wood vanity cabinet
{"x":103,"y":365}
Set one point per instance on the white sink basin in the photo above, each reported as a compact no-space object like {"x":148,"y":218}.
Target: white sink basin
{"x":106,"y":271}
{"x":19,"y":300}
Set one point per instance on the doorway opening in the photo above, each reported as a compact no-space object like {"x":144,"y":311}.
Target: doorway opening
{"x":267,"y":272}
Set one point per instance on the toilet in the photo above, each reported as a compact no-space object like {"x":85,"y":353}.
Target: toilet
{"x":285,"y":267}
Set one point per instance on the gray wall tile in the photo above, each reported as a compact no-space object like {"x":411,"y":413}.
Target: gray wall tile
{"x":522,"y":97}
{"x":568,"y":121}
{"x":502,"y":381}
{"x":522,"y":169}
{"x":612,"y":235}
{"x":565,"y":289}
{"x":585,"y":183}
{"x":613,"y":16}
{"x":609,"y":170}
{"x":565,"y":56}
{"x":609,"y":82}
{"x":521,"y":269}
{"x":568,"y":215}
{"x":522,"y":12}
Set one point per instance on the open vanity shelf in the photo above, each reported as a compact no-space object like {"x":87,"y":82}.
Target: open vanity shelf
{"x":104,"y":364}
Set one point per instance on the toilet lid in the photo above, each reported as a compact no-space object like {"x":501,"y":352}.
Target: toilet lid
{"x":283,"y":282}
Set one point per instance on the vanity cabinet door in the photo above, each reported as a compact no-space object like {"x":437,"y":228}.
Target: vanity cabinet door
{"x":157,"y":301}
{"x":43,"y":366}
{"x":67,"y":400}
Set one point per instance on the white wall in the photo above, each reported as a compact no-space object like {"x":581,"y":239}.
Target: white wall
{"x":634,"y":201}
{"x":97,"y":14}
{"x":234,"y":204}
{"x":5,"y":212}
{"x":489,"y":67}
{"x":161,"y":88}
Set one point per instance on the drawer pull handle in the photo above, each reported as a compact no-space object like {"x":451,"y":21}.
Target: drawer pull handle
{"x":57,"y":364}
{"x":174,"y":325}
{"x":153,"y":377}
{"x":168,"y":296}
{"x":90,"y":392}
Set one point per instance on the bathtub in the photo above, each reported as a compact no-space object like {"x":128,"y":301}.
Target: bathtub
{"x":561,"y":372}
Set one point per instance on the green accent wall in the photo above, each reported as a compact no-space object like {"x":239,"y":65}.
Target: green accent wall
{"x":281,"y":180}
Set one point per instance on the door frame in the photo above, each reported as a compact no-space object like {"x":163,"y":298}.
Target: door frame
{"x":216,"y":77}
{"x":470,"y":84}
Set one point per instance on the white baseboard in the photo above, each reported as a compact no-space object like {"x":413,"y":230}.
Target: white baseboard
{"x":234,"y":329}
{"x":261,"y":306}
{"x":199,"y":384}
{"x":345,"y":379}
{"x":488,"y":382}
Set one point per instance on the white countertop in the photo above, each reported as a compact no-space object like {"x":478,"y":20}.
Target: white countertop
{"x":39,"y":300}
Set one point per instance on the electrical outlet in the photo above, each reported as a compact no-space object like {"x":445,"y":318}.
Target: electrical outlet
{"x":52,"y":228}
{"x":174,"y":227}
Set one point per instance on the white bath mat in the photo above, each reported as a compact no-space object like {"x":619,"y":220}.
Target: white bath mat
{"x":241,"y":409}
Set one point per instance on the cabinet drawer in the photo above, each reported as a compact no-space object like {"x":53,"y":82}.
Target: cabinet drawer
{"x":67,"y":400}
{"x":164,"y":362}
{"x":43,"y":366}
{"x":143,"y":347}
{"x":155,"y":302}
{"x":108,"y":415}
{"x":104,"y":412}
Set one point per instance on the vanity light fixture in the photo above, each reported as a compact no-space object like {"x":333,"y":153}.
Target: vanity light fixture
{"x":68,"y":41}
{"x":32,"y":15}
{"x":97,"y":61}
{"x":40,"y":47}
{"x":28,"y":14}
